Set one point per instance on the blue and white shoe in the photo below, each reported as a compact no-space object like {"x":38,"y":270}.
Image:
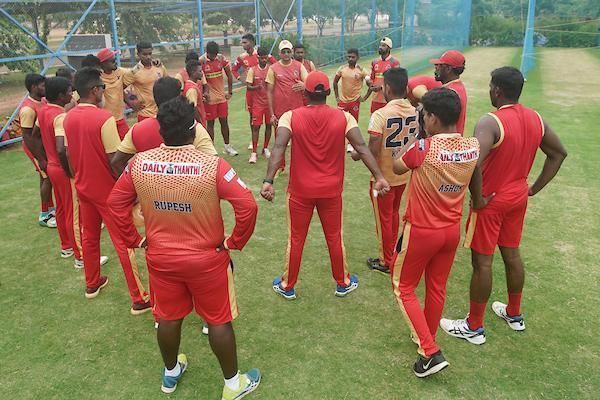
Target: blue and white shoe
{"x":516,"y":323}
{"x":289,"y":294}
{"x":248,"y":383}
{"x":459,"y":328}
{"x":169,"y":383}
{"x":342,"y":291}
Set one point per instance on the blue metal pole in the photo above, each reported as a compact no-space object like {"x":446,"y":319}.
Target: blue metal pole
{"x":343,"y":28}
{"x":394,"y":22}
{"x":409,"y":23}
{"x":527,"y":59}
{"x":372,"y":20}
{"x":200,"y":23}
{"x":285,"y":19}
{"x":257,"y":18}
{"x":299,"y":20}
{"x":115,"y":33}
{"x":467,"y":22}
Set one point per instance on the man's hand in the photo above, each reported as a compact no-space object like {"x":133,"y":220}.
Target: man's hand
{"x":205,"y":97}
{"x":355,"y":156}
{"x":222,"y":246}
{"x":481,"y":202}
{"x":274,"y":120}
{"x":267,"y":191}
{"x":143,"y":244}
{"x":376,"y":88}
{"x":43,"y":165}
{"x":156,"y":62}
{"x":298,"y":87}
{"x":381,"y":186}
{"x":228,"y":96}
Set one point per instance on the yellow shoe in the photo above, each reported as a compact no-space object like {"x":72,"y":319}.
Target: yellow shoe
{"x":248,"y":384}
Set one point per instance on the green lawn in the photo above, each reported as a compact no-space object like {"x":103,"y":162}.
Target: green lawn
{"x":55,"y":344}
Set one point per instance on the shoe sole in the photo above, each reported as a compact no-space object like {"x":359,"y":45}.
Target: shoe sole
{"x":97,"y":292}
{"x":140,"y":312}
{"x":168,"y":390}
{"x":66,"y":255}
{"x":519,"y":328}
{"x":252,"y":389}
{"x":432,"y":370}
{"x":479,"y":341}
{"x":348,"y":291}
{"x":293,"y":297}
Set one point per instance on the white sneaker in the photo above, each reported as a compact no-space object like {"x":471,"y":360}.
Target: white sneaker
{"x":204,"y":329}
{"x":229,"y":150}
{"x":47,"y":221}
{"x":66,"y":253}
{"x":516,"y":323}
{"x":78,"y":264}
{"x":459,"y":328}
{"x":349,"y":148}
{"x":253,"y":158}
{"x":267,"y":153}
{"x":250,"y":146}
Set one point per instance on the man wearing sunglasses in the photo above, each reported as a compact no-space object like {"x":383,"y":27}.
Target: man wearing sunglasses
{"x":92,"y":139}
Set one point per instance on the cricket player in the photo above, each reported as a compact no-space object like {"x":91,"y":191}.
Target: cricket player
{"x":256,"y":87}
{"x":182,"y":76}
{"x":142,"y":77}
{"x":180,"y":189}
{"x":418,"y":86}
{"x":92,"y":139}
{"x":448,"y":69}
{"x":299,"y":56}
{"x":32,"y":145}
{"x":194,"y":92}
{"x":352,"y":76}
{"x":378,"y":67}
{"x":442,"y":166}
{"x":391,"y":129}
{"x":318,"y":134}
{"x":510,"y":138}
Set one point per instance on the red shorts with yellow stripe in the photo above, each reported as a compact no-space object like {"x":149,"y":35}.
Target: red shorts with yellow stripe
{"x":215,"y":111}
{"x":202,"y":282}
{"x":36,"y":165}
{"x":495,"y":224}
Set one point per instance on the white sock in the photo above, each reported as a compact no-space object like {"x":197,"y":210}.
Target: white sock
{"x":233,"y":383}
{"x":173,"y":372}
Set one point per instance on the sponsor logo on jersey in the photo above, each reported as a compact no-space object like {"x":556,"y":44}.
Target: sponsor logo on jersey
{"x":459,"y":156}
{"x":229,"y":175}
{"x":171,"y":169}
{"x":172,"y":206}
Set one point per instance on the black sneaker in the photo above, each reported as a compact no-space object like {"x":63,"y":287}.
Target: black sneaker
{"x":376,"y":265}
{"x":428,"y":366}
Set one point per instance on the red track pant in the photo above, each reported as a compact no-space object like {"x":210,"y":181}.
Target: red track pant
{"x":387,"y":221}
{"x":429,"y":251}
{"x":300,"y":211}
{"x":92,"y":215}
{"x":67,"y":210}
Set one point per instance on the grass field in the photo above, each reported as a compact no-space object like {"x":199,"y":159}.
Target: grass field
{"x":55,"y":344}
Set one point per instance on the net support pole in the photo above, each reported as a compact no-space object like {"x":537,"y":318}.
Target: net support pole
{"x":527,"y":59}
{"x":394,"y":22}
{"x":409,"y":23}
{"x":115,"y":33}
{"x":372,"y":37}
{"x":257,"y":18}
{"x":343,"y":26}
{"x":299,"y":20}
{"x":467,"y":22}
{"x":200,"y":25}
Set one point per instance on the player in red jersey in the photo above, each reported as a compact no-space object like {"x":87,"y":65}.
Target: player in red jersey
{"x":196,"y":94}
{"x":299,"y":56}
{"x":318,"y":134}
{"x":442,"y":166}
{"x":378,"y":67}
{"x":448,"y":69}
{"x":182,"y":76}
{"x":214,"y":65}
{"x":510,"y":138}
{"x":92,"y":139}
{"x":188,"y":254}
{"x":418,"y":86}
{"x":256,"y":86}
{"x":145,"y":135}
{"x":32,"y":144}
{"x":391,"y":128}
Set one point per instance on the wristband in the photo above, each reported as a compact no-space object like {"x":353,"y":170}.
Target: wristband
{"x":269,"y":181}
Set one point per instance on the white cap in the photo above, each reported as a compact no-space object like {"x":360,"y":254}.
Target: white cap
{"x":285,"y":44}
{"x":387,"y":41}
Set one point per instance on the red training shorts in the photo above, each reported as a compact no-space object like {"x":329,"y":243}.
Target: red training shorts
{"x":202,"y":282}
{"x":353,"y":108}
{"x":495,"y":225}
{"x":260,"y":116}
{"x":214,"y":111}
{"x":248,"y":101}
{"x":35,"y":163}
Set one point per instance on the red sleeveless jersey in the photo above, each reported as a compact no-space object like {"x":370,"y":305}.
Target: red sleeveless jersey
{"x":285,"y":99}
{"x":46,"y":116}
{"x":145,"y":135}
{"x":461,"y":91}
{"x":507,"y":166}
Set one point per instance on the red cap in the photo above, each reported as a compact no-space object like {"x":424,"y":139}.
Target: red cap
{"x":315,"y":79}
{"x":106,"y":54}
{"x":453,"y":58}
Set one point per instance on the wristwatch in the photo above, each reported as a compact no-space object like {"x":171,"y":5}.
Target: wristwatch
{"x":269,"y":181}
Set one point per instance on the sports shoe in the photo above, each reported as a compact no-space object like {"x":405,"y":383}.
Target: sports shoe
{"x":66,"y":253}
{"x":342,"y":291}
{"x":169,"y":383}
{"x":516,"y":323}
{"x":229,"y":150}
{"x":78,"y":264}
{"x":253,"y":158}
{"x":375,"y":265}
{"x":349,"y":148}
{"x":459,"y":328}
{"x":266,"y":153}
{"x":289,"y":294}
{"x":428,"y":366}
{"x":248,"y":384}
{"x":250,"y":146}
{"x":92,"y":292}
{"x":47,"y":220}
{"x":140,"y":308}
{"x":205,"y":328}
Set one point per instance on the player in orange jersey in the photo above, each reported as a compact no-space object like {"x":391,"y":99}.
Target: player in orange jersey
{"x":448,"y":69}
{"x":92,"y":139}
{"x":256,"y":86}
{"x":188,"y":254}
{"x":319,"y":134}
{"x":378,"y":67}
{"x":142,"y":77}
{"x":510,"y":138}
{"x":194,"y":92}
{"x":442,"y":166}
{"x":391,"y":128}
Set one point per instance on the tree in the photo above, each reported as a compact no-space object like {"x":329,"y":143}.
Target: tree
{"x":321,"y":12}
{"x":13,"y":43}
